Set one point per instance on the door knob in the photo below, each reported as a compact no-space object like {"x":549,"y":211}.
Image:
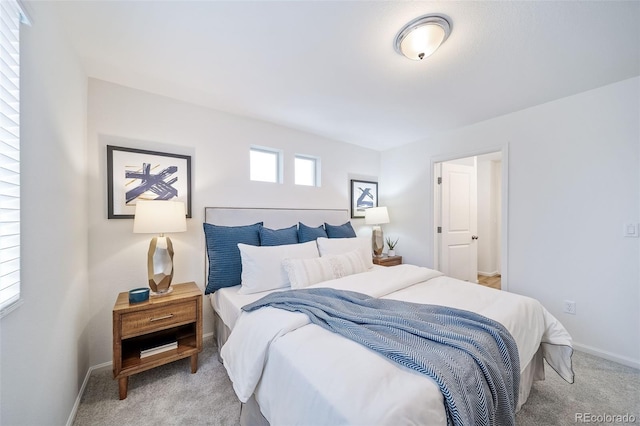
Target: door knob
{"x":474,"y":237}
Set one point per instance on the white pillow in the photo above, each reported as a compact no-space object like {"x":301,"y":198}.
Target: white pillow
{"x":304,"y":272}
{"x":329,"y":246}
{"x":262,"y":265}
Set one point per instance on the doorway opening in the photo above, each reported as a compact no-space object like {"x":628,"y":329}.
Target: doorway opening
{"x":468,"y":218}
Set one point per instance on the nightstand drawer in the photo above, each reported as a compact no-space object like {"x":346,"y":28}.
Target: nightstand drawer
{"x":388,"y":260}
{"x":137,"y":323}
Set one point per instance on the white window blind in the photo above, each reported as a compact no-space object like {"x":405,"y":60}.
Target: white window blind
{"x":10,"y":18}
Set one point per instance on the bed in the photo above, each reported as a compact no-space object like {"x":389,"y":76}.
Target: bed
{"x":287,"y":370}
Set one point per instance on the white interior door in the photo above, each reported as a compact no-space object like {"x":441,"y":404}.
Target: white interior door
{"x":459,"y":250}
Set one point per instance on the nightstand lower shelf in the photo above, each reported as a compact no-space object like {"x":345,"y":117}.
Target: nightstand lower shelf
{"x":131,"y":348}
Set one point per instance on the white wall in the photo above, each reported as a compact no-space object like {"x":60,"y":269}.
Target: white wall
{"x":219,"y":145}
{"x":44,"y":343}
{"x":573,"y":181}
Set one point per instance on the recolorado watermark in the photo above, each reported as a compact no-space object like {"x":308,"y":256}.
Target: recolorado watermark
{"x":603,"y":418}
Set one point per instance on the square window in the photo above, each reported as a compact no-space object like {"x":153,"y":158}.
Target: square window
{"x":265,"y":165}
{"x":307,"y":170}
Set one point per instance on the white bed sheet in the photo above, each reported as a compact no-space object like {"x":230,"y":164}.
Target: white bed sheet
{"x":303,"y":374}
{"x":228,"y":303}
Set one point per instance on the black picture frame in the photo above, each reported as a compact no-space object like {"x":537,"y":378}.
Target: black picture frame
{"x":126,"y":166}
{"x":364,"y":195}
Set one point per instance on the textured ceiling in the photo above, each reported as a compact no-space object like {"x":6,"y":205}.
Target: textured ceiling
{"x":329,"y":67}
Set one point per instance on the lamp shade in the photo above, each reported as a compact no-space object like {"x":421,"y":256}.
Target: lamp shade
{"x":376,"y":216}
{"x":159,"y":217}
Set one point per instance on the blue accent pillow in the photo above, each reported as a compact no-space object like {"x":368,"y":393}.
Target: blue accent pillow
{"x":278,"y":237}
{"x":340,"y":231}
{"x":307,"y":233}
{"x":225,"y":265}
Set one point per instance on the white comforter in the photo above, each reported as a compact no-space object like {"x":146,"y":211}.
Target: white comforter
{"x":303,"y":374}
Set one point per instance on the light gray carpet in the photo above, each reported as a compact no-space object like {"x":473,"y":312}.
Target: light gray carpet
{"x":171,"y":395}
{"x":167,"y":395}
{"x":601,"y":387}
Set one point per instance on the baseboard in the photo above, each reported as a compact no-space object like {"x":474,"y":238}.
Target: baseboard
{"x":74,"y":410}
{"x":99,"y":367}
{"x":629,"y":362}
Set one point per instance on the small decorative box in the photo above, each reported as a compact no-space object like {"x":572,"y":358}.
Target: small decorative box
{"x":138,"y":295}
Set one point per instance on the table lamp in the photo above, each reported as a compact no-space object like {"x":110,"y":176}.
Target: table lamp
{"x":159,"y":217}
{"x":376,"y":216}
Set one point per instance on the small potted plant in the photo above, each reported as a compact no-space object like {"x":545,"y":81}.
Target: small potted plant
{"x":392,"y":246}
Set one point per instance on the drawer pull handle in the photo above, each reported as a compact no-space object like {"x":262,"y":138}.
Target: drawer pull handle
{"x":161,"y":318}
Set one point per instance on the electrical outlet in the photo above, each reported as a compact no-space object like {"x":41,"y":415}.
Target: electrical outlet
{"x":570,"y":307}
{"x":631,"y":230}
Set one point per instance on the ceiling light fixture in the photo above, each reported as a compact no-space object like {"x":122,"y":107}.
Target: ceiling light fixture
{"x":422,"y":36}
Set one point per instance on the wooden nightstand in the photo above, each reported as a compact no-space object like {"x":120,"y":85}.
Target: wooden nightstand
{"x":174,"y":318}
{"x":388,"y":260}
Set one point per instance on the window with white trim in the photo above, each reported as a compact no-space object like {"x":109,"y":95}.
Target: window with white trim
{"x":11,"y":15}
{"x":265,"y":164}
{"x":307,"y":170}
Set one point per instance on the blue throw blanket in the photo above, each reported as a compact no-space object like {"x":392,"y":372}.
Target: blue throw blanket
{"x":473,"y":359}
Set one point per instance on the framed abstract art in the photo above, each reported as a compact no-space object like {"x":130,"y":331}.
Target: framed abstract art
{"x":364,"y":195}
{"x":136,"y":174}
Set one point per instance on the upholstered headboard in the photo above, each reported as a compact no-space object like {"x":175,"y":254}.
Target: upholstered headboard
{"x":274,"y":218}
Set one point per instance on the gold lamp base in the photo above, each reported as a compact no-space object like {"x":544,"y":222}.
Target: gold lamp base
{"x":377,"y":241}
{"x":160,"y":265}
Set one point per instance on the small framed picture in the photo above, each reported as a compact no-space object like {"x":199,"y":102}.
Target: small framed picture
{"x":363,"y":196}
{"x":136,"y":174}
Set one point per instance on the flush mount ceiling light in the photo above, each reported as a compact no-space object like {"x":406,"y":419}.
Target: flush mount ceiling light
{"x":422,"y":36}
